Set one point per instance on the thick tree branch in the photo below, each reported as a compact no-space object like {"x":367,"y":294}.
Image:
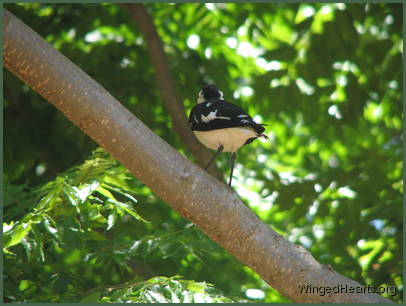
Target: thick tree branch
{"x":167,"y":86}
{"x":205,"y":201}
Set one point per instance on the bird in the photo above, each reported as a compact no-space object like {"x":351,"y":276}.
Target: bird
{"x":222,"y":126}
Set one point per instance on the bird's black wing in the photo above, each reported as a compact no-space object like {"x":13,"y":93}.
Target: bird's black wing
{"x":209,"y":116}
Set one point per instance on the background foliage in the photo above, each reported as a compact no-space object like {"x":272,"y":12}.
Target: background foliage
{"x":325,"y":77}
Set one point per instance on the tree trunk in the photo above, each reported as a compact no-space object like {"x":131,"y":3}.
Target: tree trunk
{"x":205,"y":201}
{"x":168,"y":89}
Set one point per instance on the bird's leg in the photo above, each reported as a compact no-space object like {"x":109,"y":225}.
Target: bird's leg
{"x":232,"y":160}
{"x":219,"y":150}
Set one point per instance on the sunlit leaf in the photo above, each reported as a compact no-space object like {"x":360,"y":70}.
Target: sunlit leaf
{"x":14,"y":236}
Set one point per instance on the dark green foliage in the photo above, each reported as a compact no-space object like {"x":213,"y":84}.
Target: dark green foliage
{"x":84,"y":237}
{"x":327,"y":79}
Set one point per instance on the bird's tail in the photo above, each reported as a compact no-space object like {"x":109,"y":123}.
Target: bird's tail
{"x":264,"y":136}
{"x":259,"y":128}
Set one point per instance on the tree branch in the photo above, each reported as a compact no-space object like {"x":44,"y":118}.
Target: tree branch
{"x":208,"y":203}
{"x":167,"y":87}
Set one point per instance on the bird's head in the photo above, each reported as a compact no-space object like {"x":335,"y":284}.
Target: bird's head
{"x":208,"y":93}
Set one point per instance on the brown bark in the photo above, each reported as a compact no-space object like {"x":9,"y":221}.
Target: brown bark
{"x":167,"y":87}
{"x":208,"y":203}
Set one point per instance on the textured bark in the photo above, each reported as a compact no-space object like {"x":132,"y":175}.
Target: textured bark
{"x":208,"y":203}
{"x":167,"y":87}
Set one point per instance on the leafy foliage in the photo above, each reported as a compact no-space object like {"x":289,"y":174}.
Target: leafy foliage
{"x":76,"y":238}
{"x":163,"y":290}
{"x":325,"y":77}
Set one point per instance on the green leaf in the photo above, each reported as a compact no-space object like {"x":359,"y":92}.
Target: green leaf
{"x":18,"y":232}
{"x":39,"y":249}
{"x":195,"y":287}
{"x":127,"y":208}
{"x":51,"y":228}
{"x":111,"y":219}
{"x":121,"y":191}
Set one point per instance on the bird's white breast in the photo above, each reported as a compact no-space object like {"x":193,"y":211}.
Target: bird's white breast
{"x":230,"y":138}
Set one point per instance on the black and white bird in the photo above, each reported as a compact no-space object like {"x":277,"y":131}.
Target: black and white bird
{"x":222,"y":126}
